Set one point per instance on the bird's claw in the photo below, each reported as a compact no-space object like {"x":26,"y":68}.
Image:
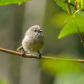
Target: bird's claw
{"x":39,"y":56}
{"x":23,"y":54}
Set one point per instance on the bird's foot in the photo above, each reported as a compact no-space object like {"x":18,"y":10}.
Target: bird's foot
{"x":39,"y":55}
{"x":23,"y":54}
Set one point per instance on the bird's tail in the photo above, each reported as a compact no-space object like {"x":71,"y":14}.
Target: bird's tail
{"x":20,"y":48}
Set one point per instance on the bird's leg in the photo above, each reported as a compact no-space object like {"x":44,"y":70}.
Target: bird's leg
{"x":39,"y":55}
{"x":23,"y":54}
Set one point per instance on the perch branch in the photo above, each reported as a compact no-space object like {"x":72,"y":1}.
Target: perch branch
{"x":43,"y":57}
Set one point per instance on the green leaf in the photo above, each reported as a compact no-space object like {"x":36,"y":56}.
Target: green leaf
{"x":64,"y":5}
{"x":59,"y":3}
{"x":6,"y":2}
{"x":70,"y":27}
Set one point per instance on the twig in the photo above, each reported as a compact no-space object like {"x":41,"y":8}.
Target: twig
{"x":73,"y":5}
{"x":81,"y":37}
{"x":69,"y":6}
{"x":76,"y":13}
{"x":43,"y":57}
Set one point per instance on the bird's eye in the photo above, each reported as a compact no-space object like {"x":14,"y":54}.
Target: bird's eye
{"x":35,"y":30}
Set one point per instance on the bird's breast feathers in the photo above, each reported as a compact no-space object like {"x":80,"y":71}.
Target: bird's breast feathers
{"x":33,"y":44}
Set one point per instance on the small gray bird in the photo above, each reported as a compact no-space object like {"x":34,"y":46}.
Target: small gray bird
{"x":33,"y":40}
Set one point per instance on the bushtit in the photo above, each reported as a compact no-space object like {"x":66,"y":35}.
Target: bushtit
{"x":33,"y":40}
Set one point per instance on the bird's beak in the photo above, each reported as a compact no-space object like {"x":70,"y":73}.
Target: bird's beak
{"x":40,"y":30}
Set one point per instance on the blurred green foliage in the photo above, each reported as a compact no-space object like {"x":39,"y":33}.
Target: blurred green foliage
{"x":3,"y":81}
{"x":62,"y":67}
{"x":70,"y":26}
{"x":6,"y":2}
{"x":65,"y":71}
{"x":69,"y":21}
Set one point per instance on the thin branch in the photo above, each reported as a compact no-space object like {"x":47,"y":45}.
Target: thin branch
{"x":68,"y":2}
{"x":73,"y":5}
{"x":42,"y":57}
{"x":76,"y":13}
{"x":81,"y":37}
